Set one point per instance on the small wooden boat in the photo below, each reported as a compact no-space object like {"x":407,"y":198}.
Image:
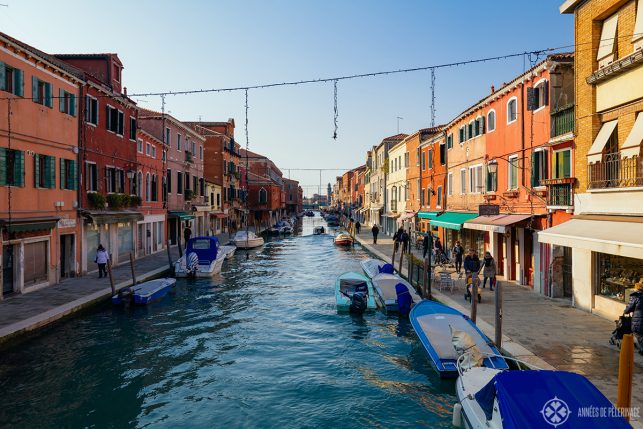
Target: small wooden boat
{"x":373,"y":267}
{"x":247,"y":241}
{"x":347,"y":285}
{"x":318,"y":230}
{"x":144,"y":293}
{"x":343,"y":238}
{"x":434,"y":324}
{"x":385,"y":289}
{"x":202,"y":258}
{"x":532,"y":399}
{"x":228,"y":251}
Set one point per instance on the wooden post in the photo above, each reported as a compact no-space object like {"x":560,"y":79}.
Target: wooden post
{"x":474,"y":298}
{"x":625,"y":372}
{"x":131,"y":264}
{"x":111,"y":279}
{"x":393,"y":257}
{"x":409,"y":270}
{"x":178,"y":241}
{"x":169,"y":256}
{"x":498,"y":315}
{"x":425,"y":282}
{"x":401,"y":259}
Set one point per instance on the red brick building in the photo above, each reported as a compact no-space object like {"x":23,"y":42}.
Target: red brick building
{"x":265,"y":190}
{"x":292,"y":196}
{"x":433,"y":176}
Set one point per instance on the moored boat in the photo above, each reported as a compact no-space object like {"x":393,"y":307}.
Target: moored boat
{"x":144,"y":293}
{"x":318,"y":230}
{"x":373,"y":267}
{"x":228,"y":251}
{"x":354,"y":292}
{"x":247,"y":240}
{"x":434,"y":324}
{"x":202,"y":258}
{"x":386,"y":289}
{"x":343,"y":238}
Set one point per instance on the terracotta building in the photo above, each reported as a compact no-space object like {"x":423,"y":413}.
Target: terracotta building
{"x":265,"y":190}
{"x":433,"y":178}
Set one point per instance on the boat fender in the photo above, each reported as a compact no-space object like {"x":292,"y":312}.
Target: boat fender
{"x":457,"y":415}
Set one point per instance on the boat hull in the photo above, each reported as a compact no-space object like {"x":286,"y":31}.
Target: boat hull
{"x":249,"y":244}
{"x":147,"y":292}
{"x":202,"y":271}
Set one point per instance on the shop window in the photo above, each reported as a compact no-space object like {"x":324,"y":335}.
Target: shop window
{"x":617,"y":276}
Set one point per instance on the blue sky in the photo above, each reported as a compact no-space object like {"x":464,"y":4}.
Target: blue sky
{"x":178,"y":45}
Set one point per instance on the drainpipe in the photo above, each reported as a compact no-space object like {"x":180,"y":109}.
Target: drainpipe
{"x":522,"y":134}
{"x":80,"y":157}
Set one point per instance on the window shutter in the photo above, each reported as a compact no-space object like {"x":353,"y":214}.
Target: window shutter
{"x":34,"y":89}
{"x":62,"y":174}
{"x":534,"y":166}
{"x":36,"y":170}
{"x":482,"y":125}
{"x":3,"y":165}
{"x":3,"y":76}
{"x":50,"y":170}
{"x":48,"y":96}
{"x":567,"y":164}
{"x":74,"y":175}
{"x":19,"y":82}
{"x":108,"y":118}
{"x":72,"y":104}
{"x":19,"y":168}
{"x":545,"y":88}
{"x":545,"y":172}
{"x":61,"y":99}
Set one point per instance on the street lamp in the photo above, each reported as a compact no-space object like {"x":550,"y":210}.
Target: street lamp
{"x":492,"y":166}
{"x":131,"y":174}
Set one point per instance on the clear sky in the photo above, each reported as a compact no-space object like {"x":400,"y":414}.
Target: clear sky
{"x":178,"y":45}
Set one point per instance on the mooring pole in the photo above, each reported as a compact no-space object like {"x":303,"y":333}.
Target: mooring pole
{"x":169,"y":256}
{"x":111,"y":279}
{"x":474,"y":298}
{"x":498,"y":314}
{"x":393,"y":257}
{"x":401,"y":259}
{"x":131,"y":264}
{"x":625,"y":372}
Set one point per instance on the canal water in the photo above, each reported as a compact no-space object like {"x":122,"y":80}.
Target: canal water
{"x":260,"y":346}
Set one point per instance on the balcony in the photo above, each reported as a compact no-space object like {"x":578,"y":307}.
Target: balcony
{"x":562,"y":121}
{"x":612,"y":172}
{"x":560,"y":195}
{"x":189,"y":157}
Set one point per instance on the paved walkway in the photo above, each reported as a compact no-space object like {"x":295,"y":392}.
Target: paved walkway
{"x":548,"y":333}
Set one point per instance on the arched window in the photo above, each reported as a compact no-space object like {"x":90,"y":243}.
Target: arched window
{"x":154,"y":188}
{"x":263,"y":196}
{"x":512,"y":110}
{"x":147,"y":187}
{"x":541,"y":94}
{"x":491,"y":120}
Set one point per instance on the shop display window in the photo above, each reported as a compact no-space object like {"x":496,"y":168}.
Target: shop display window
{"x":617,"y":275}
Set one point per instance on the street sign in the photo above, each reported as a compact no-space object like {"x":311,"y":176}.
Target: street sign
{"x":488,"y":210}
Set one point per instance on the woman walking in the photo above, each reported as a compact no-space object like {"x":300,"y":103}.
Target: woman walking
{"x":489,"y":270}
{"x":636,"y":306}
{"x":102,"y":258}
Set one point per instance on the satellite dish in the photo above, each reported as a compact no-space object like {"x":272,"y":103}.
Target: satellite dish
{"x":75,"y":150}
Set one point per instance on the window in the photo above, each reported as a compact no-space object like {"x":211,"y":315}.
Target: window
{"x":430,"y":158}
{"x":538,"y":167}
{"x":44,"y":171}
{"x":68,"y":174}
{"x":605,"y":54}
{"x":561,"y":167}
{"x":512,"y":110}
{"x":41,"y":92}
{"x":139,"y":146}
{"x":417,"y":189}
{"x":12,"y":167}
{"x":537,"y":96}
{"x":186,"y":177}
{"x":194,"y":184}
{"x":168,"y":137}
{"x":169,"y":181}
{"x":513,"y":172}
{"x":114,"y":120}
{"x":91,"y":110}
{"x":480,"y":125}
{"x":450,"y":184}
{"x":470,"y":130}
{"x":421,"y":191}
{"x":638,"y":28}
{"x":132,"y":128}
{"x":463,"y":181}
{"x":147,"y":187}
{"x":263,"y":196}
{"x":11,"y":79}
{"x":201,"y":152}
{"x":492,"y":181}
{"x":476,"y":127}
{"x":438,"y":203}
{"x":138,"y":187}
{"x":148,"y":149}
{"x":91,"y":177}
{"x":417,"y":156}
{"x":178,"y":142}
{"x":423,"y":161}
{"x":164,"y":155}
{"x":154,"y":190}
{"x":461,"y":135}
{"x":179,"y":182}
{"x":154,"y":152}
{"x":67,"y":102}
{"x":450,"y":141}
{"x":443,"y":154}
{"x":202,"y":187}
{"x":194,"y":148}
{"x":406,"y":160}
{"x":475,"y":179}
{"x":491,"y":120}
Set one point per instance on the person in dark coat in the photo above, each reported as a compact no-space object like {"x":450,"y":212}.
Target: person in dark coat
{"x":636,"y":307}
{"x":426,"y":245}
{"x":472,"y":263}
{"x":397,"y":239}
{"x":187,"y":233}
{"x":489,"y":270}
{"x":357,"y":226}
{"x":458,"y":253}
{"x":375,"y":230}
{"x":404,"y":238}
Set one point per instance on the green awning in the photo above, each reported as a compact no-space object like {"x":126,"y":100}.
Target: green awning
{"x":180,"y":215}
{"x":453,"y":220}
{"x":31,"y":226}
{"x":427,"y":215}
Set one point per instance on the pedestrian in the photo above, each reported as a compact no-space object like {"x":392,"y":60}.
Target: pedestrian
{"x":102,"y":258}
{"x":458,"y":253}
{"x":489,"y":270}
{"x":397,"y":238}
{"x":438,"y":249}
{"x":357,"y":226}
{"x":635,"y":306}
{"x":187,"y":233}
{"x":375,"y":230}
{"x":426,"y":244}
{"x":404,"y":238}
{"x":471,"y":267}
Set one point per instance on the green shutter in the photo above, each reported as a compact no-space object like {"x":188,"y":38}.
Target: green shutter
{"x":62,"y":174}
{"x":19,"y":168}
{"x":48,"y":96}
{"x":36,"y":170}
{"x":3,"y":76}
{"x":61,"y":99}
{"x":534,"y":164}
{"x":74,"y":175}
{"x":567,"y":166}
{"x":34,"y":89}
{"x":3,"y":166}
{"x":52,"y":171}
{"x":18,"y":82}
{"x":72,"y":104}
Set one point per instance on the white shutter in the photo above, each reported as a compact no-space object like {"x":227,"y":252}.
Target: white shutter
{"x":606,"y":46}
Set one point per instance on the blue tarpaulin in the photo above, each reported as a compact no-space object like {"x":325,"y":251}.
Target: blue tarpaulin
{"x":404,"y":299}
{"x":386,"y":268}
{"x":537,"y":399}
{"x":206,"y":248}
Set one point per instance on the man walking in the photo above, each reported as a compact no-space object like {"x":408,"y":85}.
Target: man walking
{"x":426,"y":245}
{"x":357,"y":227}
{"x":404,"y":237}
{"x":458,"y":253}
{"x":375,"y":230}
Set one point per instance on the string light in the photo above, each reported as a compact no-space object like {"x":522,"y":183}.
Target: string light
{"x":335,"y":109}
{"x":432,"y":97}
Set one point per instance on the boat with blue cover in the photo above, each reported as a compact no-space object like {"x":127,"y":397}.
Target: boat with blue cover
{"x":202,"y":258}
{"x":373,"y":267}
{"x":435,"y":323}
{"x":388,"y":288}
{"x":354,"y":292}
{"x":144,"y":293}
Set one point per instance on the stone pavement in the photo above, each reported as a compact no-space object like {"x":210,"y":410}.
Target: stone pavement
{"x":548,"y":333}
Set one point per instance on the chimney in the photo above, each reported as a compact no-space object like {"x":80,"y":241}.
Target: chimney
{"x":493,"y":89}
{"x":125,"y":91}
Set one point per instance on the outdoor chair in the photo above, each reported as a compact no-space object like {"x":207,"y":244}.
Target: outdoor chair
{"x":446,"y":281}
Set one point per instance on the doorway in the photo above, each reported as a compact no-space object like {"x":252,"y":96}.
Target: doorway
{"x":567,"y":272}
{"x":67,"y":256}
{"x":8,"y":269}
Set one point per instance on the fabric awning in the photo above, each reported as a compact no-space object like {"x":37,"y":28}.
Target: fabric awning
{"x":180,"y":215}
{"x":405,"y":216}
{"x":632,"y":144}
{"x":219,"y":215}
{"x":604,"y":236}
{"x":595,"y":153}
{"x":30,"y":225}
{"x":393,"y":215}
{"x":497,"y":223}
{"x":427,"y":215}
{"x":108,"y":218}
{"x":452,"y":220}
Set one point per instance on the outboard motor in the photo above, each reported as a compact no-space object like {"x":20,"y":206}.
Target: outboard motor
{"x":126,"y":295}
{"x":404,"y":299}
{"x":358,"y":303}
{"x":192,"y":263}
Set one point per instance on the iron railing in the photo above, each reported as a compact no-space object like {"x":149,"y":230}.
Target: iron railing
{"x":560,"y":195}
{"x":614,"y":172}
{"x":562,"y":121}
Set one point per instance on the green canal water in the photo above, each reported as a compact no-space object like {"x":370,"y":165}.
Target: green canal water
{"x":259,"y":346}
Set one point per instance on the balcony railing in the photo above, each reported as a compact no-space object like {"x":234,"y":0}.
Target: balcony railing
{"x":614,"y":172}
{"x":562,"y":121}
{"x":560,"y":195}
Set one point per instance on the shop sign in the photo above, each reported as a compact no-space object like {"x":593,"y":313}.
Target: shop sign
{"x":488,"y":210}
{"x":66,"y":223}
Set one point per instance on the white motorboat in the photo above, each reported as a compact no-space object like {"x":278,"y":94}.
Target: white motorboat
{"x":247,"y":240}
{"x":202,"y":258}
{"x":373,"y":267}
{"x":385,"y":286}
{"x":228,"y":251}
